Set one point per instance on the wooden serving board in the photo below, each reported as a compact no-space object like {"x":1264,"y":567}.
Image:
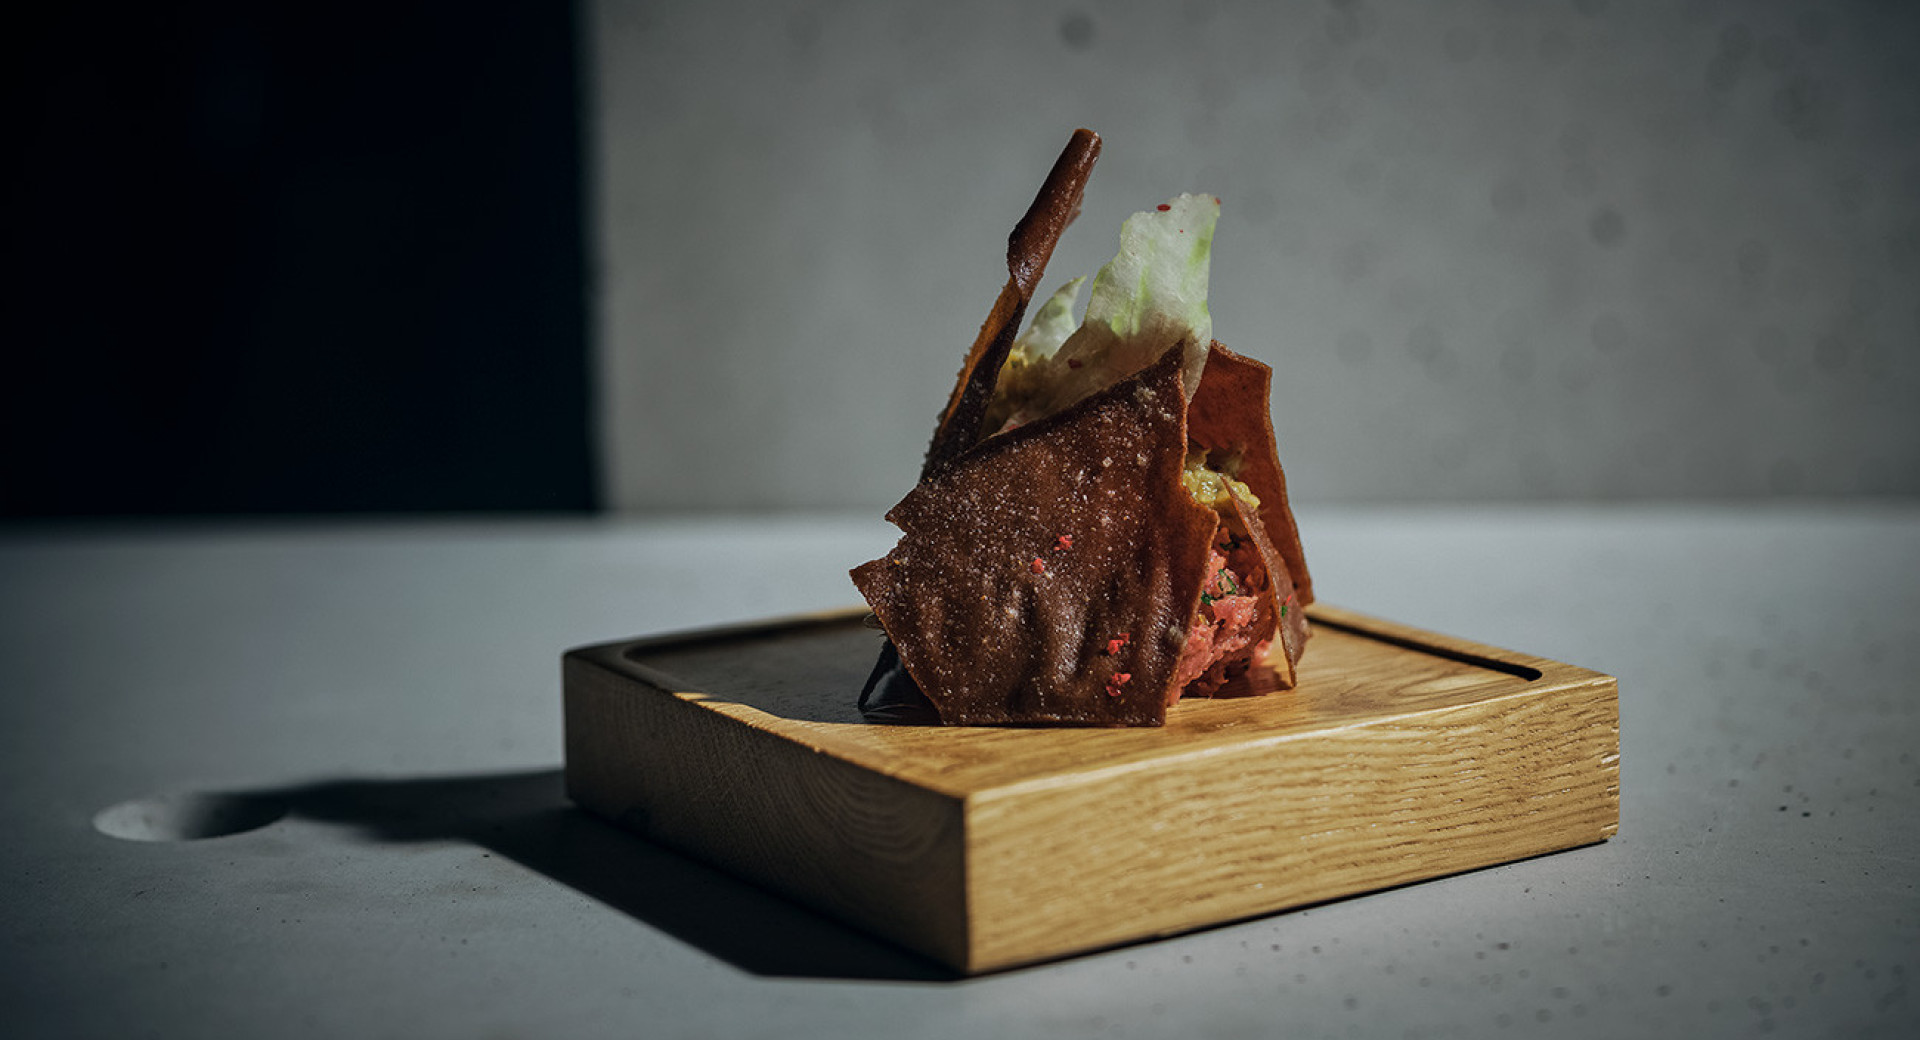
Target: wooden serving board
{"x":1403,"y":755}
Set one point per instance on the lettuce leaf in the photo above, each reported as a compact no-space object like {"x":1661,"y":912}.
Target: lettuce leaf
{"x":1159,"y":277}
{"x":1149,"y":297}
{"x":1052,"y":324}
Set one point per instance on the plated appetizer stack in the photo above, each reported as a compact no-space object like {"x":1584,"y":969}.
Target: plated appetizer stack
{"x":1101,"y":526}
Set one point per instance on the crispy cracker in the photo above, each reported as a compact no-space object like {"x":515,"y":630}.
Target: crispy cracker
{"x":1027,"y":555}
{"x":1229,"y":414}
{"x":1029,"y":247}
{"x":1280,"y":617}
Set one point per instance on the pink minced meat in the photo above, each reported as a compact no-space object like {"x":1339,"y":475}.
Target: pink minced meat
{"x":1222,"y":627}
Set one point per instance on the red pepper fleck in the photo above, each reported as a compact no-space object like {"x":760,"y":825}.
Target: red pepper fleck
{"x":1163,"y":207}
{"x":1063,"y":543}
{"x":1114,"y":645}
{"x":1117,"y":680}
{"x":1036,"y":566}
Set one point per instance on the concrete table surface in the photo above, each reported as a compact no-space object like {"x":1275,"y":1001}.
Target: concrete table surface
{"x":372,"y":710}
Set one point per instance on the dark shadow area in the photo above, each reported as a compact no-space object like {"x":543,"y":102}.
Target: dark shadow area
{"x":813,"y":667}
{"x":1515,"y":669}
{"x":272,"y":258}
{"x":527,"y":818}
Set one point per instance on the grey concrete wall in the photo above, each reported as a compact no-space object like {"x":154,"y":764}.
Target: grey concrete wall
{"x":1494,"y":250}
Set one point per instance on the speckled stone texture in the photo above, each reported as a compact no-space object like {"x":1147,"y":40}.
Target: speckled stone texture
{"x":1493,"y":250}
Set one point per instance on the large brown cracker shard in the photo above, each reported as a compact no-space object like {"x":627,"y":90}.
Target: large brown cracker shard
{"x":1029,"y":247}
{"x":1229,"y":417}
{"x":1048,"y":575}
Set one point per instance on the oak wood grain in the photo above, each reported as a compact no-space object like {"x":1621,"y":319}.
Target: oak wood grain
{"x":1402,"y":755}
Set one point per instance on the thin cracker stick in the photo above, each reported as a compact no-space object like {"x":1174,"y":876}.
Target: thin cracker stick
{"x":1029,"y":247}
